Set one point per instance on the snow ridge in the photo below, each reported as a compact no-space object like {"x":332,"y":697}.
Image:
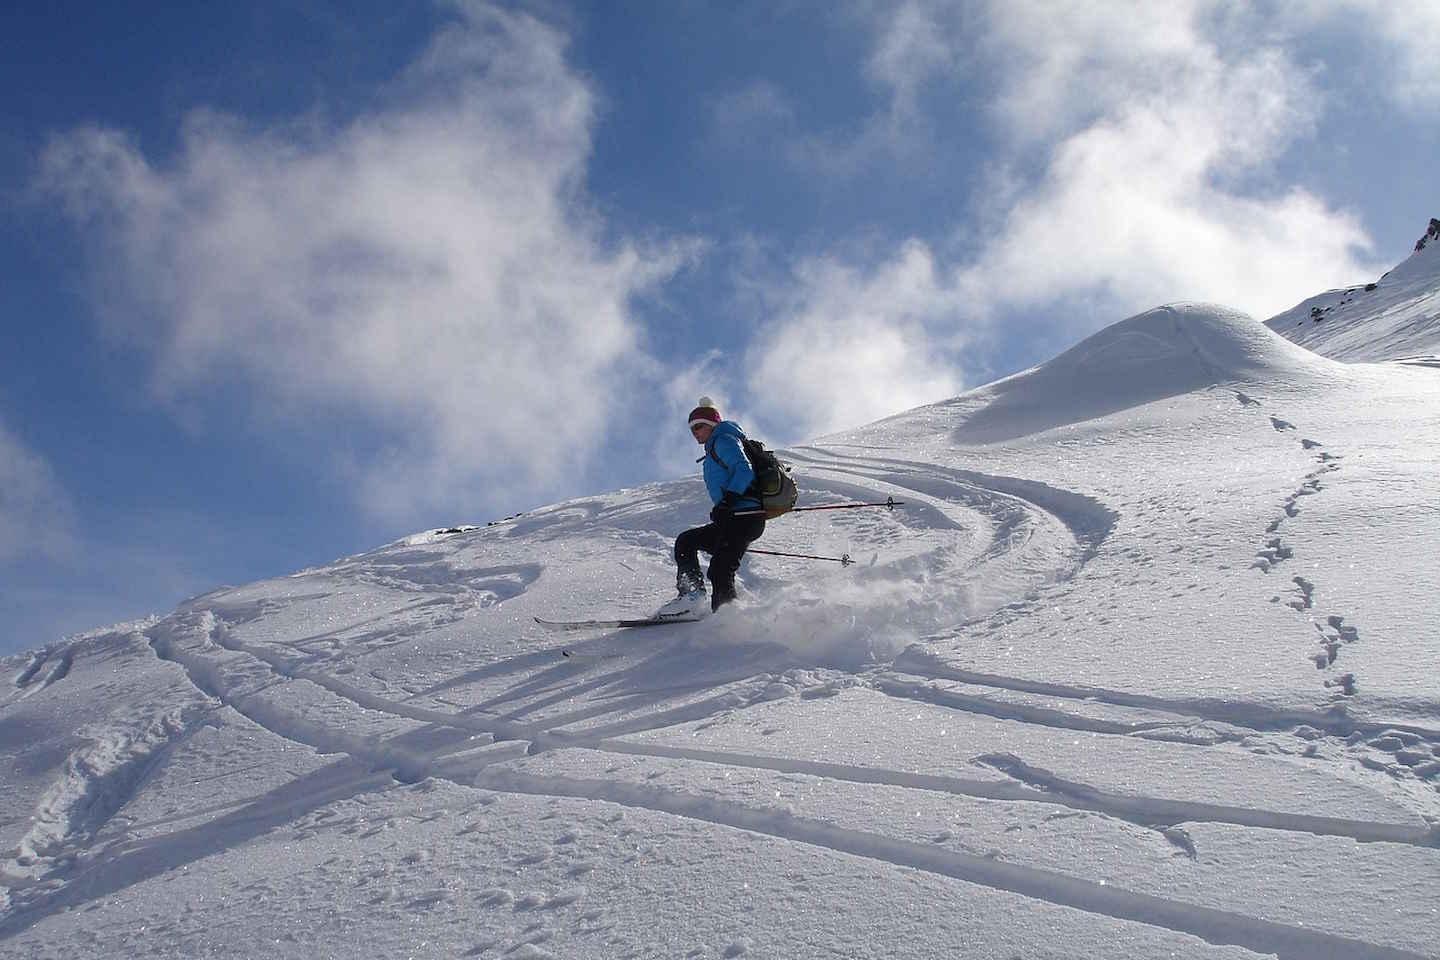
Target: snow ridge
{"x":1154,"y":355}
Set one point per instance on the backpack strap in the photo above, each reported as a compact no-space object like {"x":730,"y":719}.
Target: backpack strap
{"x":710,"y":450}
{"x":741,"y":441}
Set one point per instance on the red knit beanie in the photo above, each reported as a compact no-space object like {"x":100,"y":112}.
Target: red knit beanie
{"x":704,"y":412}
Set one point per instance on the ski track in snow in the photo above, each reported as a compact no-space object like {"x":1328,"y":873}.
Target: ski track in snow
{"x":1030,"y":535}
{"x":30,"y":681}
{"x":1213,"y":926}
{"x":194,"y":643}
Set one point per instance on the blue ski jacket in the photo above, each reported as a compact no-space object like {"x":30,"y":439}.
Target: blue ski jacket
{"x":727,"y":470}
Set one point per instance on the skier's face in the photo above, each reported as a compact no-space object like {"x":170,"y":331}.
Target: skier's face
{"x":701,"y":432}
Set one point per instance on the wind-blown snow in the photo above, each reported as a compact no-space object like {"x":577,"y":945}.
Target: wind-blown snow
{"x":1142,"y":667}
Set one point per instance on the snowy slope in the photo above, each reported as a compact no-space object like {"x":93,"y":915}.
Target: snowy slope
{"x":1396,"y":318}
{"x":1162,"y":353}
{"x":1144,"y":667}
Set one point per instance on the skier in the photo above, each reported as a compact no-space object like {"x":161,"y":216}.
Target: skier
{"x":727,"y":477}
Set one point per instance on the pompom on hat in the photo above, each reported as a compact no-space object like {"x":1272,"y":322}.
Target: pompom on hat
{"x":704,"y":412}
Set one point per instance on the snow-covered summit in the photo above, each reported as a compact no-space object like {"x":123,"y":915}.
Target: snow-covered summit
{"x":1396,"y":318}
{"x":1160,"y":353}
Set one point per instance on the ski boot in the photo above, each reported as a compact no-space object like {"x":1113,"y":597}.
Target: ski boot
{"x":692,"y":601}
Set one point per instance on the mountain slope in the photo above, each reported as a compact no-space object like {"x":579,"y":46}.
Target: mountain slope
{"x":1138,"y":669}
{"x":1161,"y":353}
{"x":1396,"y":318}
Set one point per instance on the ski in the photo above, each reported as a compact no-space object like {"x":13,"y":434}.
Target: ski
{"x":615,"y":624}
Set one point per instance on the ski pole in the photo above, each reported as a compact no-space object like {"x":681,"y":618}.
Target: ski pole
{"x":844,"y":559}
{"x":890,"y":503}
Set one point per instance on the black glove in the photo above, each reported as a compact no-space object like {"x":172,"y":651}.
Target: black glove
{"x":724,"y":511}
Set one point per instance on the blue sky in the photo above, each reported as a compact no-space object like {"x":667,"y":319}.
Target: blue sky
{"x":287,"y":281}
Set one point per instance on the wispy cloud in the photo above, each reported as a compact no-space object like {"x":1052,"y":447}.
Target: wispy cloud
{"x":1057,"y":67}
{"x":428,"y":274}
{"x":1410,"y":35}
{"x":1161,"y":126}
{"x":1396,"y":45}
{"x":1165,"y":197}
{"x":36,"y":514}
{"x":848,"y":345}
{"x":916,"y":47}
{"x":919,"y":41}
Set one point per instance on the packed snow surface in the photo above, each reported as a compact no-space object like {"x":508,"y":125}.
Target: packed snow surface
{"x":1144,"y":666}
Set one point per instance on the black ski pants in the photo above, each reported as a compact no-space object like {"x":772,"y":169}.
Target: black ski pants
{"x":726,"y":542}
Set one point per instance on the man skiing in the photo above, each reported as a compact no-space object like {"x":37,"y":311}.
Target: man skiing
{"x":728,"y":476}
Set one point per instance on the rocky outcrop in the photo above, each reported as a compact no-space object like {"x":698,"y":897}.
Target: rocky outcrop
{"x":1432,"y":234}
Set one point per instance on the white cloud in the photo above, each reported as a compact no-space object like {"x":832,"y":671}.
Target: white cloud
{"x":36,"y":516}
{"x":1153,"y":202}
{"x":1159,"y":129}
{"x":849,"y":346}
{"x":428,"y":270}
{"x":1409,"y":35}
{"x":1393,"y":47}
{"x":917,"y":43}
{"x":1413,"y":32}
{"x":1062,"y":64}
